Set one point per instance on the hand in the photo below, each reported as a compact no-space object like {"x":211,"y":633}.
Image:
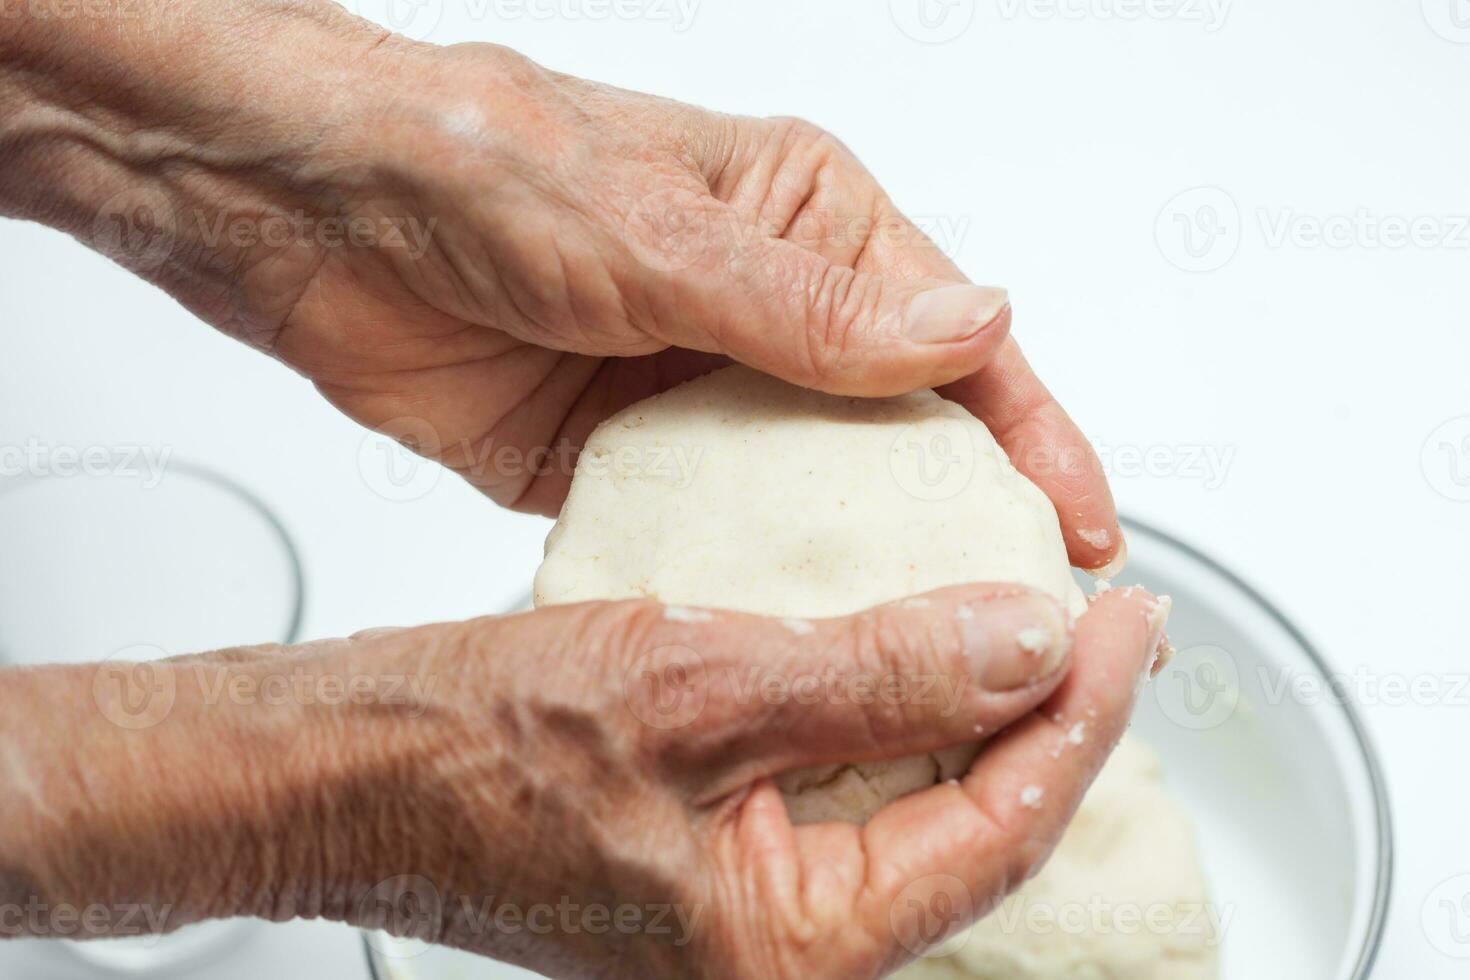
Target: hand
{"x":514,"y":785}
{"x":486,"y":258}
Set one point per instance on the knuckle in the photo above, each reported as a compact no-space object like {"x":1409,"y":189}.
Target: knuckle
{"x":802,"y":138}
{"x":672,"y":682}
{"x":639,"y":615}
{"x":917,"y":645}
{"x":595,"y":651}
{"x":797,"y":130}
{"x":622,"y":632}
{"x":895,"y":659}
{"x":510,"y":66}
{"x":842,"y":305}
{"x":678,"y":228}
{"x":869,"y":640}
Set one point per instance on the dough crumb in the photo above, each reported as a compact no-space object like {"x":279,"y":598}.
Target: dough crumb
{"x":1100,"y":586}
{"x":1165,"y":655}
{"x":1077,"y":734}
{"x":683,"y":614}
{"x":1033,"y":640}
{"x":1099,"y":538}
{"x":800,"y":627}
{"x":979,"y":729}
{"x":1031,"y":797}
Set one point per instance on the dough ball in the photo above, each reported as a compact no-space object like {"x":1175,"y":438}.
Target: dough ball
{"x":742,"y":492}
{"x":1122,"y":898}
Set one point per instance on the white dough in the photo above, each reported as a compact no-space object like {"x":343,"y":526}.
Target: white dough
{"x":741,"y":492}
{"x":1122,"y":898}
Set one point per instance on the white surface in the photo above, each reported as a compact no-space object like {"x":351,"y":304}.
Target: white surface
{"x":1054,"y":144}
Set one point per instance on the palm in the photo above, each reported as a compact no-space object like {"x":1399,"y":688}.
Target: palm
{"x":485,"y":399}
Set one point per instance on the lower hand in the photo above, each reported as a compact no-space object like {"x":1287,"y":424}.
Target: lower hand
{"x":518,"y":786}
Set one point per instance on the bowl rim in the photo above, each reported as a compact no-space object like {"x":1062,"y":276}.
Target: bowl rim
{"x":1367,"y":752}
{"x":253,"y":502}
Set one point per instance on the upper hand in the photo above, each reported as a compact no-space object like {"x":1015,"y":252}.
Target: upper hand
{"x":561,"y":249}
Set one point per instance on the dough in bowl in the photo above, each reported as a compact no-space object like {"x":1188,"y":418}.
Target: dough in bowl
{"x":1122,"y":898}
{"x":739,"y":491}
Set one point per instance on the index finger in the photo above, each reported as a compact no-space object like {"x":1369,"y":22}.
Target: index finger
{"x":1044,"y":443}
{"x":1037,"y":434}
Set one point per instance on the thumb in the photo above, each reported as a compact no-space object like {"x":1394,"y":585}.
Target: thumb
{"x":789,"y":312}
{"x":917,"y":676}
{"x":903,"y":679}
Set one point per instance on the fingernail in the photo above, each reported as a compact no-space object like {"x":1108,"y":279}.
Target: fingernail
{"x":1016,"y":641}
{"x":951,"y":313}
{"x":1158,"y":618}
{"x":1166,"y":653}
{"x":1114,"y":567}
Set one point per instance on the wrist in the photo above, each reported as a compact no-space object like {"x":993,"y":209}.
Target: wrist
{"x":149,"y":128}
{"x":195,"y":84}
{"x":240,"y":783}
{"x":135,"y":797}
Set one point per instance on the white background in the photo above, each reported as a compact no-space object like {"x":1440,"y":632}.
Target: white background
{"x":1050,"y":145}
